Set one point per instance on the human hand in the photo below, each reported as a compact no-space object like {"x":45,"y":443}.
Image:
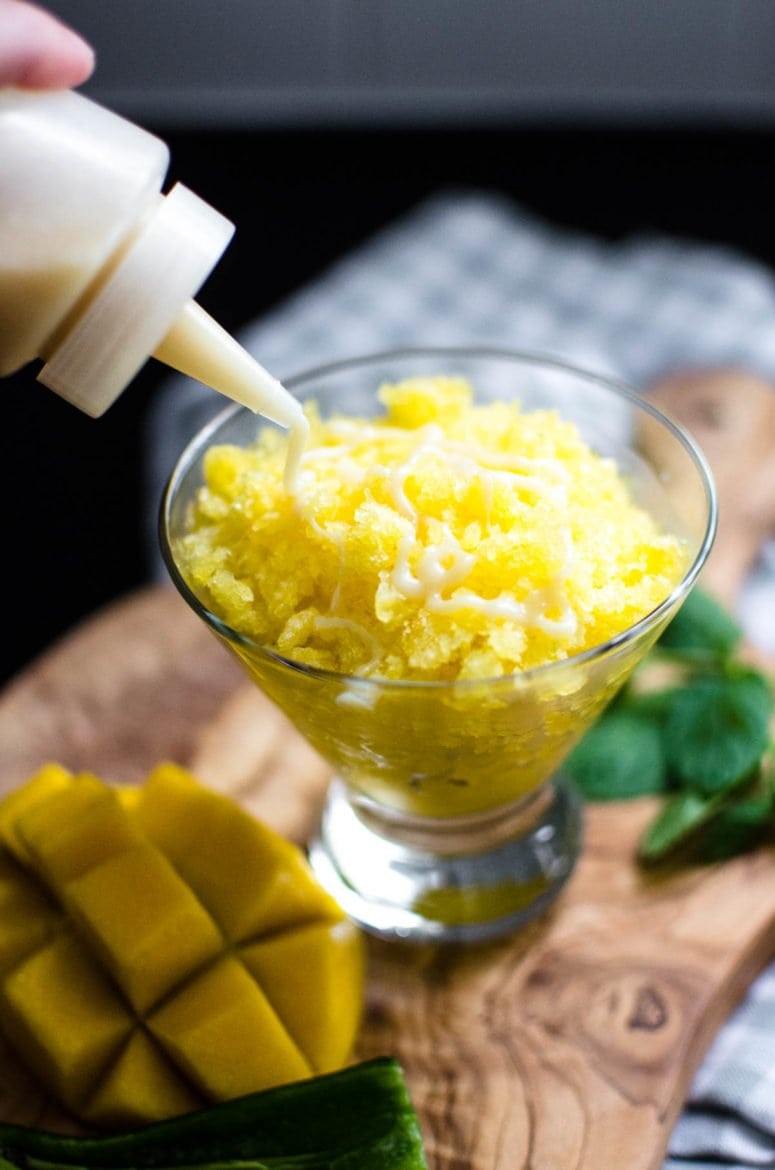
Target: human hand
{"x":38,"y":51}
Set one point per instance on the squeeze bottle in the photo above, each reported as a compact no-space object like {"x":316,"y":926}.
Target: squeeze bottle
{"x":98,"y":268}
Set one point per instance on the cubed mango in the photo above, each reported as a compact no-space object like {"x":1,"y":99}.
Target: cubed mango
{"x":59,"y":1009}
{"x":316,"y":1014}
{"x":217,"y":847}
{"x":153,"y":945}
{"x":143,"y":923}
{"x":210,"y":1029}
{"x":140,"y":1086}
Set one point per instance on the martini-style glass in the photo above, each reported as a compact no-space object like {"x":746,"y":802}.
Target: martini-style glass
{"x":449,"y":817}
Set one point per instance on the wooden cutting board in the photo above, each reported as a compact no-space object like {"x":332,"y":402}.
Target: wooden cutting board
{"x":568,"y":1047}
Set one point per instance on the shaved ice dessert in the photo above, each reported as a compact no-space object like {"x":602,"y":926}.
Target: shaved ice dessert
{"x":471,"y":555}
{"x":444,"y":540}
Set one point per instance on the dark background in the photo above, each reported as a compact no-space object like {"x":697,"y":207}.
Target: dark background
{"x":75,"y":508}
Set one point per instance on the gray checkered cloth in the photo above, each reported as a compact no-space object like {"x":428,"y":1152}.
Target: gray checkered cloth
{"x":473,"y":268}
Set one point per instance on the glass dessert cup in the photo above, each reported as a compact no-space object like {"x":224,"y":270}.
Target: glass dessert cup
{"x":449,"y":817}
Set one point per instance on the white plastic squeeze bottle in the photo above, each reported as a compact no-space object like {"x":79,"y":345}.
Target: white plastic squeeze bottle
{"x":98,"y":268}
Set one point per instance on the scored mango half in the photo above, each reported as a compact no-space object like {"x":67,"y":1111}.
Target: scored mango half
{"x":161,"y":949}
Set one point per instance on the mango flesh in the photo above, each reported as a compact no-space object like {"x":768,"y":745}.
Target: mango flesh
{"x":216,"y":851}
{"x":29,"y":917}
{"x":160,"y":948}
{"x":65,"y":1017}
{"x":73,"y":830}
{"x":151,"y":941}
{"x":314,"y":1014}
{"x":141,"y":1085}
{"x":211,"y":1025}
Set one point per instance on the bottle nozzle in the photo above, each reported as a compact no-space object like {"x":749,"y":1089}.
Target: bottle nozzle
{"x":199,"y":347}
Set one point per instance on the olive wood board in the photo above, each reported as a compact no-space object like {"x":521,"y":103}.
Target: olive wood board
{"x":568,"y":1046}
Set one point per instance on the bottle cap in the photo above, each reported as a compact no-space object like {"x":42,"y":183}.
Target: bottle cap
{"x":167,"y":260}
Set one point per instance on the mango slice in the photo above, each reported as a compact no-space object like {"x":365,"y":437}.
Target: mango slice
{"x":28,"y":916}
{"x":72,"y":831}
{"x":141,"y":1085}
{"x":315,"y":1013}
{"x":49,"y":779}
{"x":160,"y":949}
{"x":217,"y":848}
{"x":210,"y":1028}
{"x":62,"y":1013}
{"x":150,"y":941}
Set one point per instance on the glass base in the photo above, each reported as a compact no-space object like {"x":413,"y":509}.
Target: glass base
{"x":447,"y":881}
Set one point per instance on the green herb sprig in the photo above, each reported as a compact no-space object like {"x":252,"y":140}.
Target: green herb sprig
{"x":702,"y":742}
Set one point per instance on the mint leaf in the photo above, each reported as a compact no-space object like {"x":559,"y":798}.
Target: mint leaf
{"x":701,"y":739}
{"x":652,"y":704}
{"x":620,"y":757}
{"x":717,"y":730}
{"x":680,"y":817}
{"x":703,"y":625}
{"x":736,"y":828}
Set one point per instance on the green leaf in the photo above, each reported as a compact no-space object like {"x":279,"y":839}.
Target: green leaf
{"x":360,"y":1117}
{"x":680,"y":817}
{"x":652,"y":704}
{"x":702,"y":624}
{"x":717,"y":730}
{"x":620,"y":757}
{"x":737,"y":827}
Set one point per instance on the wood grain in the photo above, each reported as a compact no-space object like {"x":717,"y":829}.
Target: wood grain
{"x":567,"y":1047}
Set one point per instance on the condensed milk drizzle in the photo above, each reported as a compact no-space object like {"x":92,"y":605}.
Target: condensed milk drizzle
{"x":431,"y":565}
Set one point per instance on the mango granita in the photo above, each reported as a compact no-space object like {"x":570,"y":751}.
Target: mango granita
{"x":445,"y":541}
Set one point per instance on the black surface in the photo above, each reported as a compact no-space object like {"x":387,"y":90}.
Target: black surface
{"x":75,"y":511}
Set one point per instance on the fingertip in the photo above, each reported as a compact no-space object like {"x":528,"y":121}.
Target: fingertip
{"x":38,"y":51}
{"x":71,"y":65}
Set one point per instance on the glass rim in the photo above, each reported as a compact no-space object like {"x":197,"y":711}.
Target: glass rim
{"x":200,"y":441}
